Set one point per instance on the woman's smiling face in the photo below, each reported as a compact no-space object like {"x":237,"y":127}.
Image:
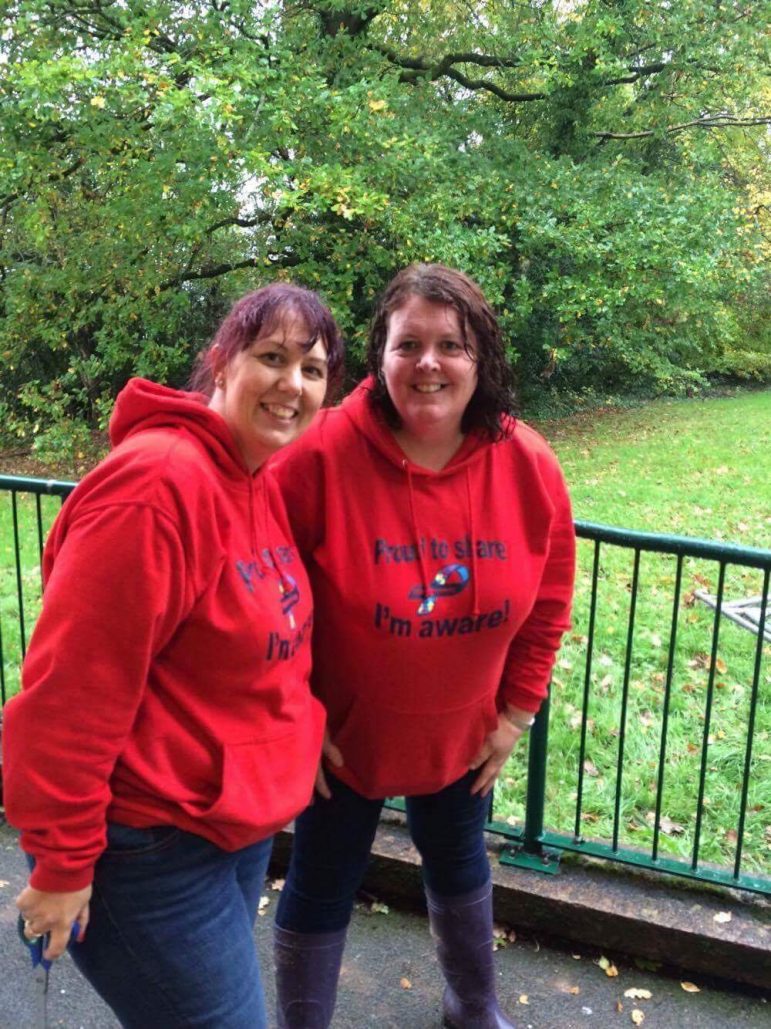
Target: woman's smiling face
{"x":430,"y":370}
{"x":269,"y":393}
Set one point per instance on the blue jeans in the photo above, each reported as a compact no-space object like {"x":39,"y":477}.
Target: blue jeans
{"x":169,"y":941}
{"x":333,"y":839}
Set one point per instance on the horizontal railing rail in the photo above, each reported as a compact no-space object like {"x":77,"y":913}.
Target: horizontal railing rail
{"x":634,"y":729}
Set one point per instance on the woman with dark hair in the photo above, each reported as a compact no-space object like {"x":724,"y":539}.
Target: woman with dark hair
{"x":439,"y":541}
{"x":165,"y":728}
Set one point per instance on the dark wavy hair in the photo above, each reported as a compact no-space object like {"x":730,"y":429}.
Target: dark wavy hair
{"x":495,"y":394}
{"x":261,"y":311}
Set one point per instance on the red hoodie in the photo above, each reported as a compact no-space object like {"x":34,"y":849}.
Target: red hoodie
{"x":439,"y":596}
{"x":167,"y":677}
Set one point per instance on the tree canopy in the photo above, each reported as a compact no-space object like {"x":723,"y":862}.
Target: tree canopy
{"x":601,"y":167}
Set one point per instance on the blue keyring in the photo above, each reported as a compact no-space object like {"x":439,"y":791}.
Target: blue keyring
{"x":38,"y":944}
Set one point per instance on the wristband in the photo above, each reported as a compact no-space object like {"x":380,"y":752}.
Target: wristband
{"x":523,"y":724}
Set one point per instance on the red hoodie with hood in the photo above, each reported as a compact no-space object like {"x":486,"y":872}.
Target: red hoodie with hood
{"x":439,"y":596}
{"x":167,"y":677}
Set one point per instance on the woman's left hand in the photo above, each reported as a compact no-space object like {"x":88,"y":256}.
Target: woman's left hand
{"x":494,"y":755}
{"x":53,"y":915}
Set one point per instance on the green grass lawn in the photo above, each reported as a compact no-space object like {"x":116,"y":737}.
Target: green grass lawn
{"x":693,"y":467}
{"x":696,"y":468}
{"x":687,"y":467}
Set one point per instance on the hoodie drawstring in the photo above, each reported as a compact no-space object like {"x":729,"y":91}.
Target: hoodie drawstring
{"x":472,"y":534}
{"x":418,"y":547}
{"x":424,"y":576}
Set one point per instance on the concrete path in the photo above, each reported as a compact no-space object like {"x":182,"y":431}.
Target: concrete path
{"x":390,"y":979}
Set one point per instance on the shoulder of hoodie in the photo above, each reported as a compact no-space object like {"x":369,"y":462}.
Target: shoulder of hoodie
{"x":526,"y":443}
{"x":330,"y":428}
{"x":165,"y":469}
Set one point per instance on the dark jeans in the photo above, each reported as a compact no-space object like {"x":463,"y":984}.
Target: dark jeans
{"x":333,"y":839}
{"x":169,"y":942}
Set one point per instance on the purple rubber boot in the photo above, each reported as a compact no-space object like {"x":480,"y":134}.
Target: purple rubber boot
{"x":307,"y":970}
{"x":462,"y":928}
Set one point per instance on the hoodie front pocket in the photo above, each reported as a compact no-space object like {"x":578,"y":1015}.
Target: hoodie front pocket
{"x":263,"y":783}
{"x":388,"y":751}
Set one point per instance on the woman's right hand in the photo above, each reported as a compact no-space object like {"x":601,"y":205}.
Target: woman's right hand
{"x":54,"y":914}
{"x":332,"y":754}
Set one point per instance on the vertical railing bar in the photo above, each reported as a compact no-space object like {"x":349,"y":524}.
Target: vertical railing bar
{"x":2,"y":666}
{"x":537,"y":752}
{"x":587,"y":687}
{"x":665,"y":714}
{"x":708,"y":716}
{"x":625,"y":698}
{"x":751,"y":726}
{"x":39,"y":513}
{"x":19,"y":583}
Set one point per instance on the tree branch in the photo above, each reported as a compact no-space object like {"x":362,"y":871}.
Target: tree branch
{"x":418,"y":67}
{"x":57,"y":176}
{"x":713,"y":121}
{"x":214,"y":271}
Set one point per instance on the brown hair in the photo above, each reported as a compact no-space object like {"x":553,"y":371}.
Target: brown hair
{"x":494,"y":395}
{"x":260,"y":311}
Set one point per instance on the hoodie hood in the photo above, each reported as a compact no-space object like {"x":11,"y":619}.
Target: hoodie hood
{"x":144,"y":405}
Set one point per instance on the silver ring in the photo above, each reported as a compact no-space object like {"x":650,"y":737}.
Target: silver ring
{"x":29,"y":932}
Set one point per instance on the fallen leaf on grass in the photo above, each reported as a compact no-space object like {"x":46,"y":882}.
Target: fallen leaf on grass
{"x":665,"y":824}
{"x":699,"y":660}
{"x":575,"y":990}
{"x":637,"y":1016}
{"x":405,"y":983}
{"x":524,"y":999}
{"x":636,"y":993}
{"x":379,"y":909}
{"x":277,"y":884}
{"x":671,"y":828}
{"x":619,"y":1006}
{"x":722,"y":917}
{"x":690,"y":987}
{"x":3,"y":883}
{"x":590,"y":768}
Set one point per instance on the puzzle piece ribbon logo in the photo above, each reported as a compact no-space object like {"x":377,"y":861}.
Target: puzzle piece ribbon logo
{"x":447,"y":582}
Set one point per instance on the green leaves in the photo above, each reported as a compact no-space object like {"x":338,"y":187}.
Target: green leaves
{"x":160,"y":160}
